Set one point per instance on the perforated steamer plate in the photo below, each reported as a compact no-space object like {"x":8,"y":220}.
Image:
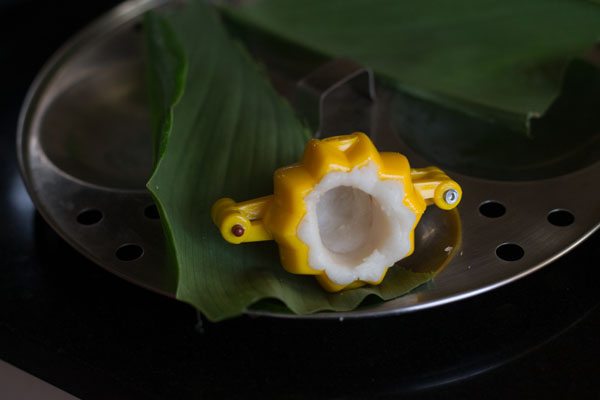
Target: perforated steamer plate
{"x":85,"y":154}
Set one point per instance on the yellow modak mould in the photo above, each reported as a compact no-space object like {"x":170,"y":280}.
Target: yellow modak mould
{"x":345,"y":213}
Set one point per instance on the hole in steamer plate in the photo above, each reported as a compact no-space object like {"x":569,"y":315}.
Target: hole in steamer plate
{"x":561,"y":217}
{"x":89,"y":217}
{"x":129,"y":252}
{"x":510,"y":252}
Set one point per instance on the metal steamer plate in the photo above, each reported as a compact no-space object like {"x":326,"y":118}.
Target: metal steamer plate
{"x":84,"y":148}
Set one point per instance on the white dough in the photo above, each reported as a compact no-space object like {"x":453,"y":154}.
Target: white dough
{"x":356,"y":225}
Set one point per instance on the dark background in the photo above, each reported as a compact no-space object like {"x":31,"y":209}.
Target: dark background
{"x":84,"y":330}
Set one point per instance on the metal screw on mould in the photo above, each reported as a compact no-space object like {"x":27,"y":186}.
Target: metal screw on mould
{"x":451,"y":196}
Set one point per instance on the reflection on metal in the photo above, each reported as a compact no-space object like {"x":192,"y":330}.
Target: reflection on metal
{"x":316,"y":94}
{"x":93,"y":87}
{"x":19,"y":199}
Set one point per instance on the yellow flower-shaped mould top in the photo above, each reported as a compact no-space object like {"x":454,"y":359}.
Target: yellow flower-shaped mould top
{"x":345,"y":213}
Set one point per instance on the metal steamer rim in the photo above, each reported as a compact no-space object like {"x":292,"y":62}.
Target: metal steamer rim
{"x":72,"y":154}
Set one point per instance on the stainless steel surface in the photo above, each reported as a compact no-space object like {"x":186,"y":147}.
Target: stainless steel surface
{"x":316,"y":93}
{"x":84,"y":144}
{"x":85,"y":152}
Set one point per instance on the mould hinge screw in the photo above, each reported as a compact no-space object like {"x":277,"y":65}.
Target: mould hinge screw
{"x":237,"y":230}
{"x":451,"y":196}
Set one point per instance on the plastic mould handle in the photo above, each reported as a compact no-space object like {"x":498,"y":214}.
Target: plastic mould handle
{"x":243,"y":222}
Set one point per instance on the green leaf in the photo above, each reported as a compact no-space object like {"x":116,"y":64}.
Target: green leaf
{"x":165,"y":78}
{"x":222,"y":131}
{"x":500,"y":59}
